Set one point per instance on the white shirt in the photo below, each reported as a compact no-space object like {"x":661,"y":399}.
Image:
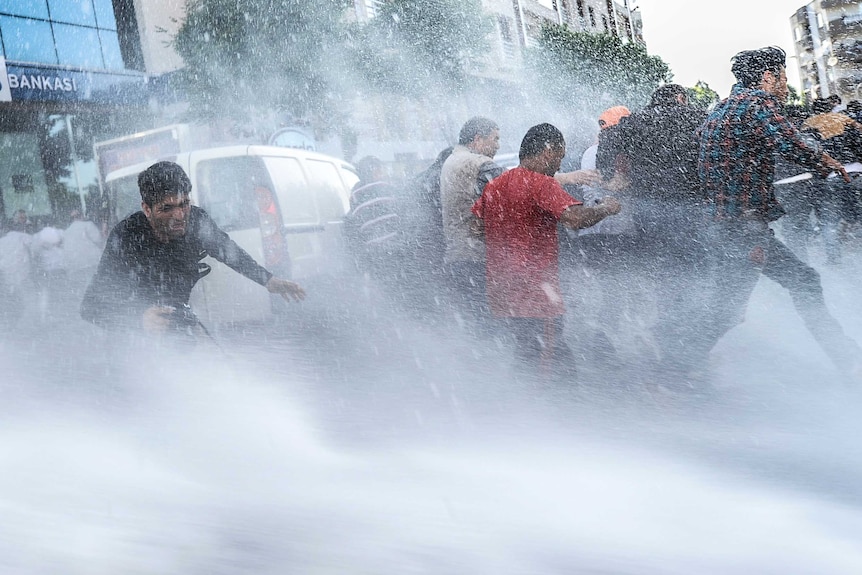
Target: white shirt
{"x":47,"y":249}
{"x":588,"y":159}
{"x":15,"y":258}
{"x":83,"y":244}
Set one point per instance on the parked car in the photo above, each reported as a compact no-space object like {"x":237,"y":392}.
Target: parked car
{"x":284,"y":206}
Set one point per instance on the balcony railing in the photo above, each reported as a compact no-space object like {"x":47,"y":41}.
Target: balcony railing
{"x":827,"y":4}
{"x":848,"y":54}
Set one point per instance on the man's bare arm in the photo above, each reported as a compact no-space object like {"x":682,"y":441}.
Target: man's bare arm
{"x":578,"y":178}
{"x":579,"y":216}
{"x":830,"y":164}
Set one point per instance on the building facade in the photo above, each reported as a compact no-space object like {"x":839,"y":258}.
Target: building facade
{"x":70,"y":73}
{"x":405,"y":134}
{"x":79,"y":72}
{"x":827,"y":37}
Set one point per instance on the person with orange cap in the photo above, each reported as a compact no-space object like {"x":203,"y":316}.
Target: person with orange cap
{"x":660,"y":146}
{"x":607,"y":119}
{"x":601,"y":255}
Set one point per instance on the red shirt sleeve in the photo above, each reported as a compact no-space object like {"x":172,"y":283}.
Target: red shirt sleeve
{"x":552,"y":197}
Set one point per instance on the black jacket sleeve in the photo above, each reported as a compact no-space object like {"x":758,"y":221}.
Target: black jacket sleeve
{"x":219,"y":245}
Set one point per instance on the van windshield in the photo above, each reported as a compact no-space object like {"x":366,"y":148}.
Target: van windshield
{"x":226,"y":190}
{"x":125,"y":196}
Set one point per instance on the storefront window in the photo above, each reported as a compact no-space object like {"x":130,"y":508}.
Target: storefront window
{"x":22,"y":179}
{"x":47,"y":167}
{"x":27,"y":40}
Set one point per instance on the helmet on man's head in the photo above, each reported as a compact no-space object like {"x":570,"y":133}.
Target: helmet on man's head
{"x":162,"y":180}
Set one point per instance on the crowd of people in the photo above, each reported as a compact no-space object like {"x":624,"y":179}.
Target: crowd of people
{"x":671,"y":199}
{"x":671,"y":202}
{"x":39,"y":266}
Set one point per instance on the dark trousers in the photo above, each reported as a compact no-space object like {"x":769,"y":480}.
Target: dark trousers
{"x":602,"y":274}
{"x":829,"y":199}
{"x":674,"y":262}
{"x":736,"y":269}
{"x":467,"y":288}
{"x":540,"y":348}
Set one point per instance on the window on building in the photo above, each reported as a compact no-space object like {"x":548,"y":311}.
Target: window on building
{"x":27,"y":40}
{"x":581,"y":14}
{"x":27,"y":8}
{"x":372,"y":6}
{"x":610,"y":16}
{"x":78,"y":12}
{"x":80,"y":33}
{"x":111,"y":50}
{"x":592,"y":16}
{"x":105,"y":18}
{"x":506,"y":37}
{"x":605,"y":23}
{"x":75,"y":46}
{"x":565,"y":11}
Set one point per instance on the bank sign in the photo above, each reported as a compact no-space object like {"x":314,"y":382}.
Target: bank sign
{"x":36,"y":83}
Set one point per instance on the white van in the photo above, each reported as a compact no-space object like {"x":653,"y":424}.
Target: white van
{"x":284,"y":206}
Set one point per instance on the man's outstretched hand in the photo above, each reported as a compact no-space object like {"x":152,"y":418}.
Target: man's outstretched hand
{"x":157,"y":318}
{"x":834,"y":165}
{"x":286,"y":289}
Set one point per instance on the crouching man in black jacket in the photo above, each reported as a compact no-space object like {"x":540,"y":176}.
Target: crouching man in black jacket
{"x":152,"y":259}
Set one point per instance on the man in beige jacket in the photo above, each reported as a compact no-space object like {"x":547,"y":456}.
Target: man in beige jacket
{"x":464,"y":176}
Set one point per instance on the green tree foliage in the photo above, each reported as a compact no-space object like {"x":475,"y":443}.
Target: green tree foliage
{"x":701,"y":96}
{"x":585,"y":71}
{"x":245,"y":58}
{"x":794,"y":98}
{"x":417,"y":47}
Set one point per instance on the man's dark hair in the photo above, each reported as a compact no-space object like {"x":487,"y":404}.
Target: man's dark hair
{"x":538,"y":139}
{"x":750,"y":65}
{"x":368,"y":169}
{"x":476,"y":126}
{"x":667,"y":95}
{"x":821,"y":106}
{"x":162,"y":180}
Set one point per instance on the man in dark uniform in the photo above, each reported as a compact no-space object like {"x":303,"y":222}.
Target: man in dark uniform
{"x":152,"y":259}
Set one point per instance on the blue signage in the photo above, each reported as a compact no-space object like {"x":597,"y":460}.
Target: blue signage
{"x":293,"y":138}
{"x":41,"y":83}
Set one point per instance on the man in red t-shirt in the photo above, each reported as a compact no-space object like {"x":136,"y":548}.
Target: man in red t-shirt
{"x":521,"y":210}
